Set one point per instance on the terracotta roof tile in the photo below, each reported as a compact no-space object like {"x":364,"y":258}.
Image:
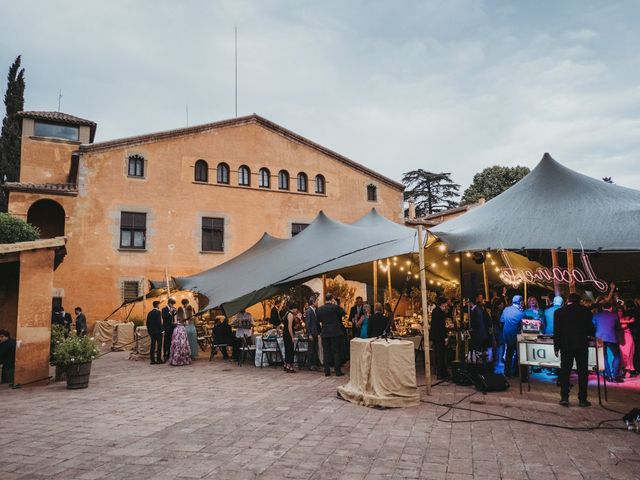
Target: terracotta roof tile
{"x":53,"y":188}
{"x":61,"y":118}
{"x":255,"y":119}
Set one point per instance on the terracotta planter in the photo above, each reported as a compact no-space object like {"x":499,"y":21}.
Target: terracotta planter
{"x":78,"y":376}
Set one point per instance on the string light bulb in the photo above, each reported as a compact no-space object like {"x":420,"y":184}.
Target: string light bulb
{"x":457,"y":260}
{"x":442,"y":247}
{"x":446,"y":262}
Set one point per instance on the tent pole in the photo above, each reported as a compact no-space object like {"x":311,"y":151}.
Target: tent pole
{"x":525,"y":293}
{"x":554,"y":265}
{"x":389,"y":278}
{"x":144,"y":299}
{"x":485,"y":279}
{"x":572,"y":283}
{"x":324,"y":288}
{"x":166,"y":278}
{"x":375,"y":282}
{"x":425,"y":325}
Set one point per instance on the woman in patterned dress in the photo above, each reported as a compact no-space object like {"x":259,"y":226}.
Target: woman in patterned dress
{"x":180,"y":350}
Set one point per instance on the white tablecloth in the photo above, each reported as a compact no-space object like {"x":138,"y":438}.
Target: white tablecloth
{"x":257,"y":341}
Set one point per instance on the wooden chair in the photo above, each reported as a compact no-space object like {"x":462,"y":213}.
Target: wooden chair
{"x":302,"y":351}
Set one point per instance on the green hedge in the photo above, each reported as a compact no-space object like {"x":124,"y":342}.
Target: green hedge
{"x":13,"y":229}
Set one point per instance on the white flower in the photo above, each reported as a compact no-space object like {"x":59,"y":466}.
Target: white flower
{"x":73,"y":359}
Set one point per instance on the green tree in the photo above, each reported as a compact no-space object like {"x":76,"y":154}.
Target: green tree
{"x":433,"y":192}
{"x":491,"y":182}
{"x":10,"y":135}
{"x":13,"y":229}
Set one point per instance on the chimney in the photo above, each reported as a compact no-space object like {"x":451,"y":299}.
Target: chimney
{"x":481,"y":201}
{"x":412,"y":208}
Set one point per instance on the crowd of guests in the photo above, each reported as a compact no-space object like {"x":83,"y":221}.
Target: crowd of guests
{"x":495,"y":325}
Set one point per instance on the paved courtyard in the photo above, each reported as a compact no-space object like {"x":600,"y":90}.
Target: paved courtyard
{"x":220,"y":421}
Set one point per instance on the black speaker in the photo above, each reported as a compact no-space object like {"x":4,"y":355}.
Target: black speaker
{"x":469,"y":285}
{"x":491,"y":382}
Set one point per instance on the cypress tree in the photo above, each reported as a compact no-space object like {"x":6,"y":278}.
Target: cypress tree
{"x":10,"y":135}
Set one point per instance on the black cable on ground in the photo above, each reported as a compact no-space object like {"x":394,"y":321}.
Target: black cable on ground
{"x":500,"y":417}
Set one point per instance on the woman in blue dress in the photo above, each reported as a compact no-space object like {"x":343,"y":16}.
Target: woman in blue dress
{"x":363,"y":323}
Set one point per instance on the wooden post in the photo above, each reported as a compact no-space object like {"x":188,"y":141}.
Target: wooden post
{"x":144,"y":299}
{"x":485,"y":278}
{"x":525,"y":293}
{"x":375,"y":282}
{"x":389,"y":277}
{"x":324,"y":289}
{"x":554,"y":265}
{"x":572,"y":283}
{"x":425,"y":324}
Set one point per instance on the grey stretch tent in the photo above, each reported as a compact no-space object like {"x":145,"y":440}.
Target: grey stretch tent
{"x":551,"y":208}
{"x":272,"y":265}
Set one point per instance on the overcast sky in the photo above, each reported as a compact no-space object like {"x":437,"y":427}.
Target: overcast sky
{"x":452,"y":86}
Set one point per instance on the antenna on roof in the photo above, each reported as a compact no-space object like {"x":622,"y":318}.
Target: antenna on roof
{"x":59,"y":98}
{"x":236,"y":76}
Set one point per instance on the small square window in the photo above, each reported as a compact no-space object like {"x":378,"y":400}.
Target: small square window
{"x":130,"y":290}
{"x":296,"y":228}
{"x":212,"y":234}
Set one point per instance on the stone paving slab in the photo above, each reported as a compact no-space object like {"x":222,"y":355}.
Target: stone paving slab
{"x":215,"y":420}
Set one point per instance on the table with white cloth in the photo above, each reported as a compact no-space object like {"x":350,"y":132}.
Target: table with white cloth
{"x":382,"y":373}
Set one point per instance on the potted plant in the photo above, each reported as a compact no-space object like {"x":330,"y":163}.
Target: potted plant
{"x":75,"y":355}
{"x":58,"y":334}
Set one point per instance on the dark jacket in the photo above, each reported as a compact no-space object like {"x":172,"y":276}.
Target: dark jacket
{"x":377,"y":325}
{"x":222,"y":334}
{"x":167,"y":319}
{"x":154,"y":322}
{"x":438,"y":330}
{"x":572,"y":327}
{"x":274,"y":318}
{"x":59,"y":319}
{"x":311,"y":319}
{"x":480,"y":327}
{"x":8,"y":353}
{"x":330,"y":318}
{"x":81,"y":324}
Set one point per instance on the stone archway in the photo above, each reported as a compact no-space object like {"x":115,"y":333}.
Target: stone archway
{"x":48,"y":216}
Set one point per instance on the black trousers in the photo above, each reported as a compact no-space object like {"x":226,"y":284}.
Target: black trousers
{"x":331,"y":347}
{"x":567,"y":356}
{"x":168,"y":334}
{"x":440,"y":351}
{"x":155,"y":354}
{"x":312,"y":354}
{"x":7,"y":374}
{"x":511,"y":359}
{"x":288,"y":350}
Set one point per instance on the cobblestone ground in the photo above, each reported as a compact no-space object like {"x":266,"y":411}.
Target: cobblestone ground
{"x":218,"y":420}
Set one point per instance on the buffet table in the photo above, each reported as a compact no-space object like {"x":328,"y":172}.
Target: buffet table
{"x":382,"y":373}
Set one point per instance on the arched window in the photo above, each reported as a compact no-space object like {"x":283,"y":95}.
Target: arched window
{"x":202,"y":171}
{"x":372,"y":193}
{"x":223,"y":173}
{"x":135,"y":167}
{"x":302,"y":182}
{"x":320,"y":184}
{"x":48,"y":216}
{"x":244,"y":176}
{"x":265,"y":178}
{"x":283,"y":180}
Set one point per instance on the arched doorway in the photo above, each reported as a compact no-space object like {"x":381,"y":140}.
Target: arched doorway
{"x":48,"y":216}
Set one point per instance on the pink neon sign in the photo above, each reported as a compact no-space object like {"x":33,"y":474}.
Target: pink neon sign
{"x":585,"y":276}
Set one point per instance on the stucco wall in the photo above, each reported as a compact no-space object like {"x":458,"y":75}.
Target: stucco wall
{"x":94,"y":268}
{"x":34,"y":315}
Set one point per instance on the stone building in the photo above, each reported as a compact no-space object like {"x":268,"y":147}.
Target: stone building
{"x":181,"y":200}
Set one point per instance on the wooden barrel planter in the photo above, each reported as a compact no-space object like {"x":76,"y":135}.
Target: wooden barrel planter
{"x":78,"y":376}
{"x":61,"y":374}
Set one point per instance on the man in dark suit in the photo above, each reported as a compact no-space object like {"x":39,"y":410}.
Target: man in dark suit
{"x":275,"y":318}
{"x":168,"y":324}
{"x":60,"y":317}
{"x":378,"y":322}
{"x":354,"y":315}
{"x":438,"y":335}
{"x":573,"y":326}
{"x":81,"y":322}
{"x":330,"y":318}
{"x":7,"y":357}
{"x":311,"y":320}
{"x":480,"y":325}
{"x":154,"y":329}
